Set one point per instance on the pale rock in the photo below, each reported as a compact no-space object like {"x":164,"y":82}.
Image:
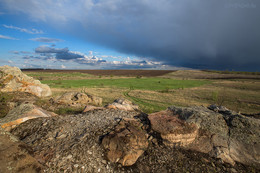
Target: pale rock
{"x":22,"y":113}
{"x":77,"y":99}
{"x":123,"y":104}
{"x":12,"y":79}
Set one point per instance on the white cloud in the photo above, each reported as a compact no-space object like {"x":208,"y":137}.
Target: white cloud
{"x":46,"y":40}
{"x":32,"y":31}
{"x":7,"y":37}
{"x":63,"y":66}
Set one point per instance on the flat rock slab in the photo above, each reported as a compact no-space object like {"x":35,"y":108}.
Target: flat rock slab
{"x":22,"y":113}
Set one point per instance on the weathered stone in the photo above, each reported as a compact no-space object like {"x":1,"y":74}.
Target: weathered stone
{"x":91,"y":108}
{"x":12,"y":79}
{"x":77,"y":99}
{"x":244,"y":142}
{"x":223,"y":133}
{"x":22,"y":113}
{"x":123,"y":104}
{"x":173,"y":130}
{"x":126,"y":143}
{"x":16,"y":156}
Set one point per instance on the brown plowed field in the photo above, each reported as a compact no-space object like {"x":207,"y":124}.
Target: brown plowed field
{"x":109,"y":72}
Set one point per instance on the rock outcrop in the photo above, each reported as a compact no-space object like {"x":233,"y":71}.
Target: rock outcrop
{"x":123,"y":104}
{"x":126,"y":143}
{"x":221,"y":133}
{"x":71,"y":143}
{"x":12,"y":79}
{"x":16,"y":156}
{"x":93,"y":141}
{"x":22,"y":113}
{"x":173,"y":130}
{"x":77,"y":99}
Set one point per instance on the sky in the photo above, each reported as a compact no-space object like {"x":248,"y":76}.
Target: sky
{"x":131,"y":34}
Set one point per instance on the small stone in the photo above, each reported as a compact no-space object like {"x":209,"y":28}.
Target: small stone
{"x":99,"y":170}
{"x":76,"y":165}
{"x":213,"y":164}
{"x":62,"y":136}
{"x":69,"y":156}
{"x":233,"y":170}
{"x":104,"y":161}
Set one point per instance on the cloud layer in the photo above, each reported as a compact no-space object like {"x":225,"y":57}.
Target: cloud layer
{"x":46,"y":40}
{"x":64,"y":55}
{"x":7,"y":37}
{"x":222,"y":34}
{"x":32,"y":31}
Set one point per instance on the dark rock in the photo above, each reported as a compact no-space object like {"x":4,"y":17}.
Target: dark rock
{"x":16,"y":156}
{"x":126,"y":143}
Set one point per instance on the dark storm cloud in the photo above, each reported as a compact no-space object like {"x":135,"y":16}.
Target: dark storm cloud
{"x":68,"y":55}
{"x":192,"y":33}
{"x":59,"y":53}
{"x":46,"y":49}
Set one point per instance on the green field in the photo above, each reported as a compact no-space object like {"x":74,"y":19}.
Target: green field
{"x":237,"y":92}
{"x":153,"y":84}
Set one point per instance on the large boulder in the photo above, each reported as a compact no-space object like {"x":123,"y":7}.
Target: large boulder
{"x":173,"y":130}
{"x":126,"y":143}
{"x":12,"y":79}
{"x":22,"y":113}
{"x":123,"y":104}
{"x":15,"y":156}
{"x":77,"y":99}
{"x":221,"y":133}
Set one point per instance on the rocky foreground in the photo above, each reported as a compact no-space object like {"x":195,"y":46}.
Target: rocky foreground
{"x":121,"y":141}
{"x":120,"y":138}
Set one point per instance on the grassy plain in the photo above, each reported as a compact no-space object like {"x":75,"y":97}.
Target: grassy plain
{"x":239,"y":92}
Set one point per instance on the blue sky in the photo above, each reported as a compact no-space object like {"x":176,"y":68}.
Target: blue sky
{"x":136,"y":34}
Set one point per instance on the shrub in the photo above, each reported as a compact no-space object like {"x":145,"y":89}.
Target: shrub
{"x":166,"y":90}
{"x":4,"y":109}
{"x":215,"y":96}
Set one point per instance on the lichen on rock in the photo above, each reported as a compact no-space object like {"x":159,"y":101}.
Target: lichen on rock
{"x":13,"y":79}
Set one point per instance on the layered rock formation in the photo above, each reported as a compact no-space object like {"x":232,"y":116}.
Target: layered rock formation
{"x":173,"y":130}
{"x":12,"y":79}
{"x":222,"y":134}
